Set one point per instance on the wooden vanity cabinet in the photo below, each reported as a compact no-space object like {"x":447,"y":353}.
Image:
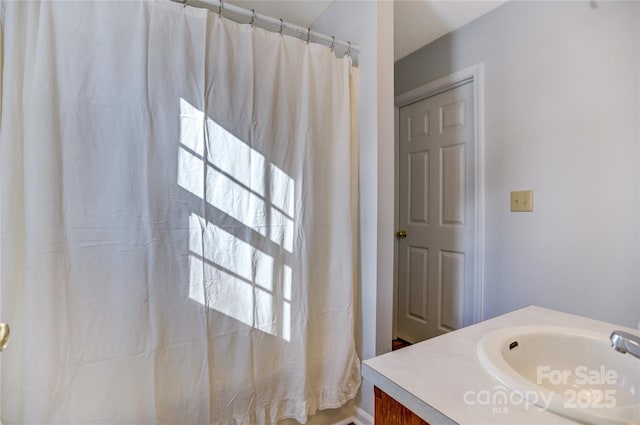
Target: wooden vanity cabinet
{"x":388,"y":411}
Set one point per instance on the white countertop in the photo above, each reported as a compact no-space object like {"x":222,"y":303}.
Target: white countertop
{"x":441,"y":379}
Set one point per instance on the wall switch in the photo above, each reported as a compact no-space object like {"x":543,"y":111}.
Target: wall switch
{"x":522,"y":201}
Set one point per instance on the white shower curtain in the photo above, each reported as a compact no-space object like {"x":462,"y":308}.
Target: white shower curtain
{"x":177,"y":216}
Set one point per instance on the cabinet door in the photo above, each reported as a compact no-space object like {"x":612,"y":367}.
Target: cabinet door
{"x":391,"y":412}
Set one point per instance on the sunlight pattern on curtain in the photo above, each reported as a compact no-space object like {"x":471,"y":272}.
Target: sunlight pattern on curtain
{"x":178,"y":218}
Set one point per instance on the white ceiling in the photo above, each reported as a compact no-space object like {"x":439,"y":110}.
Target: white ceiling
{"x":416,"y":22}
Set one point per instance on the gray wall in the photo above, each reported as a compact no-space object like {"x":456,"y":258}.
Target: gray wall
{"x":562,"y":118}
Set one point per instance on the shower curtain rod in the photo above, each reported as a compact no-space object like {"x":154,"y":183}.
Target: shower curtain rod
{"x":304,"y":33}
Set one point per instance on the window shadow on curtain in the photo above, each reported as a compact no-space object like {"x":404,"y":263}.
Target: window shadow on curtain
{"x":240,"y":248}
{"x":178,"y":209}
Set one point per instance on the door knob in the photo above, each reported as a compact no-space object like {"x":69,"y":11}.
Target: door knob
{"x":401,"y":234}
{"x":4,"y":336}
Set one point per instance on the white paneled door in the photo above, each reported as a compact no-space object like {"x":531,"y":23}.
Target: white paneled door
{"x":436,"y":210}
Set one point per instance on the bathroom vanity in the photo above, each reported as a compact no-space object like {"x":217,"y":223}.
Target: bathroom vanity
{"x":461,"y":377}
{"x":389,"y":411}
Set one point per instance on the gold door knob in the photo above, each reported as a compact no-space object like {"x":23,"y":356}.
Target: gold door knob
{"x":4,"y":336}
{"x":401,"y":234}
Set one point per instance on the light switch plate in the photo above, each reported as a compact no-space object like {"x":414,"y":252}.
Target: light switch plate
{"x":522,"y":201}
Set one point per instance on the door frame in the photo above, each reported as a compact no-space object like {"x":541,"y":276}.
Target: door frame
{"x":474,"y":74}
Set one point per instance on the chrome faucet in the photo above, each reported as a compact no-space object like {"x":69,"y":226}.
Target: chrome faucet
{"x":624,"y":342}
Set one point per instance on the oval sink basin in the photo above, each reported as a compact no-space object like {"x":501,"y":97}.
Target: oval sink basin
{"x":571,"y":372}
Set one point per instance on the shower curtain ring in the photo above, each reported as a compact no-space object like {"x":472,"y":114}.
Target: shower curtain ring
{"x":281,"y":26}
{"x":221,"y":8}
{"x":184,"y":3}
{"x":253,"y":17}
{"x":333,"y":43}
{"x":348,"y":52}
{"x":308,"y":34}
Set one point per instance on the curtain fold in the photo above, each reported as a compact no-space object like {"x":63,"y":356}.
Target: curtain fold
{"x":178,"y":201}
